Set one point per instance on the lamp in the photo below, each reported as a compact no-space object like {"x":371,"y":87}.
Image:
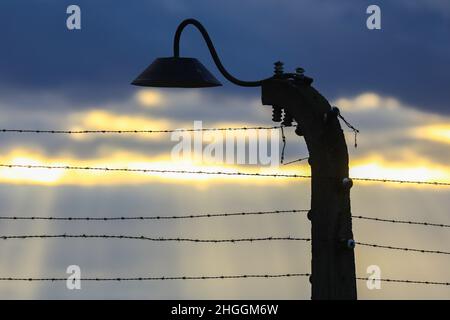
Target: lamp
{"x":181,"y":72}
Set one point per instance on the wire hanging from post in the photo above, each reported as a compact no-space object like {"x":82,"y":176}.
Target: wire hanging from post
{"x":283,"y":139}
{"x":298,"y":160}
{"x":349,"y":125}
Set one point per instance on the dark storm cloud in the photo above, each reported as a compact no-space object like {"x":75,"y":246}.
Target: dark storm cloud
{"x":409,"y":58}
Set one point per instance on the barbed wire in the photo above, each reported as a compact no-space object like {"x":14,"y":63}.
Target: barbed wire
{"x":156,"y":239}
{"x":401,"y":248}
{"x":257,"y":174}
{"x":283,"y":140}
{"x":180,"y":239}
{"x":212,"y":277}
{"x":406,"y":281}
{"x":189,"y":216}
{"x":214,"y":215}
{"x":204,"y":215}
{"x":138,"y":131}
{"x":350,"y":126}
{"x":428,"y":224}
{"x":435,"y":183}
{"x":142,"y":170}
{"x":296,"y":160}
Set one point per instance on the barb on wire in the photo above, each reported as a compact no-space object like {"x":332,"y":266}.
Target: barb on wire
{"x":136,"y":131}
{"x":402,"y":248}
{"x":256,"y":174}
{"x":156,"y":239}
{"x":123,"y":218}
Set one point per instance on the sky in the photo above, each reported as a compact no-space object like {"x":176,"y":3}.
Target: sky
{"x":392,"y":84}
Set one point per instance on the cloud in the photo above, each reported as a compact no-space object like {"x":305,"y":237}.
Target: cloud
{"x":394,"y":139}
{"x":365,"y":102}
{"x":406,"y":59}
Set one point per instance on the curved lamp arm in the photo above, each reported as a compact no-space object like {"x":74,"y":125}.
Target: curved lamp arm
{"x":212,"y":50}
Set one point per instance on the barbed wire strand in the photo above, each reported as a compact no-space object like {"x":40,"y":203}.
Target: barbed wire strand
{"x":428,"y":224}
{"x":189,"y":216}
{"x":212,"y":215}
{"x":179,"y":239}
{"x":435,"y":183}
{"x":257,"y":174}
{"x":146,"y":278}
{"x":283,"y":149}
{"x":283,"y":139}
{"x":210,"y":277}
{"x":156,"y":239}
{"x":142,"y":170}
{"x":297,"y":160}
{"x":138,"y":131}
{"x":406,"y":281}
{"x":350,"y":126}
{"x":401,"y":248}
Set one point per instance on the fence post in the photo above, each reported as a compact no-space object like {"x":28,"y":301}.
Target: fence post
{"x":333,"y":262}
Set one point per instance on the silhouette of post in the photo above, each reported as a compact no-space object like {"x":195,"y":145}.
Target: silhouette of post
{"x":333,"y":262}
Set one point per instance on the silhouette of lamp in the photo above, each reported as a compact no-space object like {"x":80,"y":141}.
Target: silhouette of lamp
{"x":181,"y":72}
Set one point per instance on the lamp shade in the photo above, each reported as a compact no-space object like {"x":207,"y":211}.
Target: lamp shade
{"x":176,"y":72}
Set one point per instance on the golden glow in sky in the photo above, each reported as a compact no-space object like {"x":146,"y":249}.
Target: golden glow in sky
{"x":121,"y":159}
{"x":376,"y":167}
{"x":105,"y":120}
{"x":436,"y":132}
{"x":371,"y":167}
{"x":149,"y":98}
{"x":365,"y":162}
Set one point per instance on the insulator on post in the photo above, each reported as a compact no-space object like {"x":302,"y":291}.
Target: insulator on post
{"x":300,"y":72}
{"x":347,"y":244}
{"x":347,"y":183}
{"x":287,"y":119}
{"x":331,"y":114}
{"x":299,"y":131}
{"x":309,"y":215}
{"x":278,"y":68}
{"x":277,"y":113}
